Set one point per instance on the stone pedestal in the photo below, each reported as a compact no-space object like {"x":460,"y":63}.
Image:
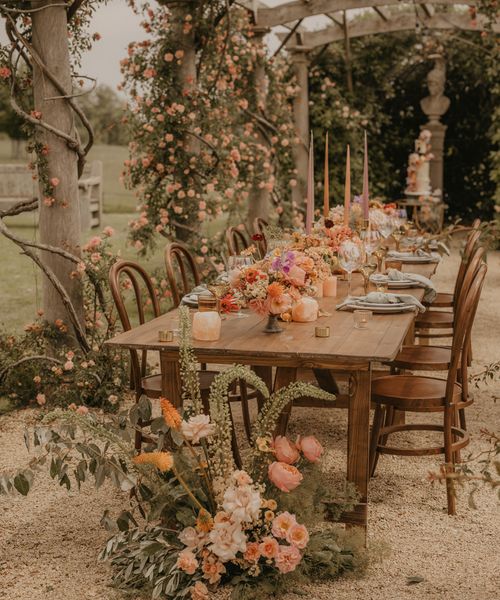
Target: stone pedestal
{"x":438,"y":131}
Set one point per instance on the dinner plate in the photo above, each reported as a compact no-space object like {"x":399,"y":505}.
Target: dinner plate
{"x":380,"y":304}
{"x":400,"y":285}
{"x":386,"y":308}
{"x":418,"y":259}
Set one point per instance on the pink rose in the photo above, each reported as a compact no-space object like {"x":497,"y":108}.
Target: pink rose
{"x":298,"y":536}
{"x":199,"y":591}
{"x":288,"y":558}
{"x":297,"y":276}
{"x":187,"y":562}
{"x":269,"y":547}
{"x":285,"y":451}
{"x":282,"y":524}
{"x":285,"y":477}
{"x":252,"y":552}
{"x":310,"y":447}
{"x":40,"y":399}
{"x":280,"y":304}
{"x":82,"y":410}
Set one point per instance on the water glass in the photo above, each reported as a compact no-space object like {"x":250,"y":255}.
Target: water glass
{"x":351,"y":256}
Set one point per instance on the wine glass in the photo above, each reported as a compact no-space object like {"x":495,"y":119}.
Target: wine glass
{"x":351,"y":256}
{"x":386,"y":227}
{"x":235,"y":264}
{"x":371,"y":240}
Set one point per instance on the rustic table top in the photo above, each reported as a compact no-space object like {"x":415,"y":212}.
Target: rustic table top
{"x":242,"y":339}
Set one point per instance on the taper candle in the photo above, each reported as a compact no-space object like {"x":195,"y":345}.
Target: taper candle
{"x":347,"y":187}
{"x":366,"y":194}
{"x":310,"y":188}
{"x":326,"y":191}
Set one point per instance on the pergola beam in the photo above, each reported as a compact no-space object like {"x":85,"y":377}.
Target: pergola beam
{"x":298,"y":9}
{"x":400,"y":22}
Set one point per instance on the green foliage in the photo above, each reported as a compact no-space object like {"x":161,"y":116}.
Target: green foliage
{"x":105,"y":110}
{"x":389,"y":81}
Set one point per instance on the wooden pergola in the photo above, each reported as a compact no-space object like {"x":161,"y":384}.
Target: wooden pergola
{"x":341,"y":21}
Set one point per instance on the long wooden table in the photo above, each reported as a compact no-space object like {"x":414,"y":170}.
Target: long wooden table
{"x":347,"y":350}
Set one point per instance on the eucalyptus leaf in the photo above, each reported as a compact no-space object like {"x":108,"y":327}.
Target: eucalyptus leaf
{"x":21,"y":484}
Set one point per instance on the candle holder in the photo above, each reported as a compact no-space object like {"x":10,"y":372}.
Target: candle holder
{"x":367,"y":270}
{"x":362,"y":318}
{"x":322,"y":331}
{"x":397,"y":235}
{"x":379,"y":255}
{"x":166,"y":336}
{"x":272,"y":325}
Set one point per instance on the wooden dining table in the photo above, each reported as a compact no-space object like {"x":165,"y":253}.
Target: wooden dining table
{"x":278,"y":357}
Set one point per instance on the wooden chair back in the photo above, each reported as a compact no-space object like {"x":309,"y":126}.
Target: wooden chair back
{"x":140,"y":283}
{"x":476,"y":224}
{"x":471,"y":244}
{"x":462,"y":331}
{"x":182,"y":272}
{"x":259,"y":227}
{"x":236,"y":241}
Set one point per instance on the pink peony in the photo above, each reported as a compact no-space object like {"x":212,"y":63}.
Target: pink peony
{"x":212,"y":569}
{"x":285,"y":477}
{"x":310,"y":447}
{"x":282,"y":524}
{"x":280,"y":304}
{"x":269,"y":547}
{"x":288,"y":558}
{"x":285,"y":451}
{"x":187,"y":562}
{"x":298,"y":536}
{"x":297,"y":276}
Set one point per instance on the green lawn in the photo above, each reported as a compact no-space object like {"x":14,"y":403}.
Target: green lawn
{"x":116,"y":198}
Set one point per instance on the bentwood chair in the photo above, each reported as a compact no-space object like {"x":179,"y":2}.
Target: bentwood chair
{"x":236,"y":241}
{"x":259,"y":228}
{"x":440,"y":319}
{"x":183,"y":275}
{"x":420,"y":394}
{"x":135,"y":277}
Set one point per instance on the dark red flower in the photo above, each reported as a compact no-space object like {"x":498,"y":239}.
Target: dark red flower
{"x":328,"y":223}
{"x":257,"y":237}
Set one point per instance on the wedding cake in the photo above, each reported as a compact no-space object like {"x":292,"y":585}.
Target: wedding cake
{"x":418,"y":180}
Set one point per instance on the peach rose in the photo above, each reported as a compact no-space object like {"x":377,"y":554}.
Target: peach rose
{"x":285,"y":451}
{"x":252,"y":553}
{"x":199,"y":591}
{"x":297,"y":276}
{"x":280,"y":304}
{"x":282,"y":524}
{"x":269,"y":547}
{"x":187,"y":562}
{"x":285,"y":477}
{"x":288,"y":558}
{"x":310,"y":447}
{"x":298,"y":536}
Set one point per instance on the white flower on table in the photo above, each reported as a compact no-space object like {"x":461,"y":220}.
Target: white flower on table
{"x":197,"y":427}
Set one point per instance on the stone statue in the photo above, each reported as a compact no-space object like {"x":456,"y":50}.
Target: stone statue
{"x":436,"y":103}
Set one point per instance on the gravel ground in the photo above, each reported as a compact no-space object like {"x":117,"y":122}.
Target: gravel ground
{"x":49,"y":541}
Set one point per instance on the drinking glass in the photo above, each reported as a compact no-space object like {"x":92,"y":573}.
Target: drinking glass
{"x":387,"y":226}
{"x":371,"y":240}
{"x":351,"y":256}
{"x":238,"y":263}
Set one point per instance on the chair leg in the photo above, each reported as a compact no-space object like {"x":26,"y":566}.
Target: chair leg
{"x":448,"y":457}
{"x":378,"y":418}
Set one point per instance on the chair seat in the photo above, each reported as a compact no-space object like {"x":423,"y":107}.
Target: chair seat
{"x":442,"y":300}
{"x":434,"y":319}
{"x":423,"y":358}
{"x":151,"y":384}
{"x":412,"y":392}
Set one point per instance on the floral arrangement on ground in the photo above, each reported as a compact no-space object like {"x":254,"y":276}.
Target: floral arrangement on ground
{"x":201,"y":517}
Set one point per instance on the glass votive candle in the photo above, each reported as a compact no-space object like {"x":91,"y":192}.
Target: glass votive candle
{"x":207,"y":303}
{"x":362,"y":318}
{"x":206,"y":326}
{"x":393,"y":264}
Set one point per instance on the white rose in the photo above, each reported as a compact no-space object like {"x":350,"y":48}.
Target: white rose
{"x":242,"y":503}
{"x":189,"y":537}
{"x":197,"y":427}
{"x":227,"y":540}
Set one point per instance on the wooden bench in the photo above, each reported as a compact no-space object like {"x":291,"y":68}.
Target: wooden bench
{"x":17,"y":184}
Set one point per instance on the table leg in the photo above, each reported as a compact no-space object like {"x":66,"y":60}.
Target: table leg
{"x":284,"y":376}
{"x":170,"y":379}
{"x":266,"y":374}
{"x":358,"y":442}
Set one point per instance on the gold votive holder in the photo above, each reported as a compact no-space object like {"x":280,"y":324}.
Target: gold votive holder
{"x":322,"y":331}
{"x":207,"y":303}
{"x":393,"y":264}
{"x":362,"y":318}
{"x":166,"y":335}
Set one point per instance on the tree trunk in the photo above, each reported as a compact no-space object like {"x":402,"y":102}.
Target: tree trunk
{"x":59,"y":224}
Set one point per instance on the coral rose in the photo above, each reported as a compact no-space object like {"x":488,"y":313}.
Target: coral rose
{"x":285,"y":477}
{"x":288,"y":558}
{"x":252,"y":553}
{"x":285,"y":451}
{"x":187,"y":562}
{"x":199,"y":591}
{"x":280,"y":304}
{"x":282,"y":524}
{"x":269,"y":547}
{"x":298,"y":536}
{"x":310,"y":447}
